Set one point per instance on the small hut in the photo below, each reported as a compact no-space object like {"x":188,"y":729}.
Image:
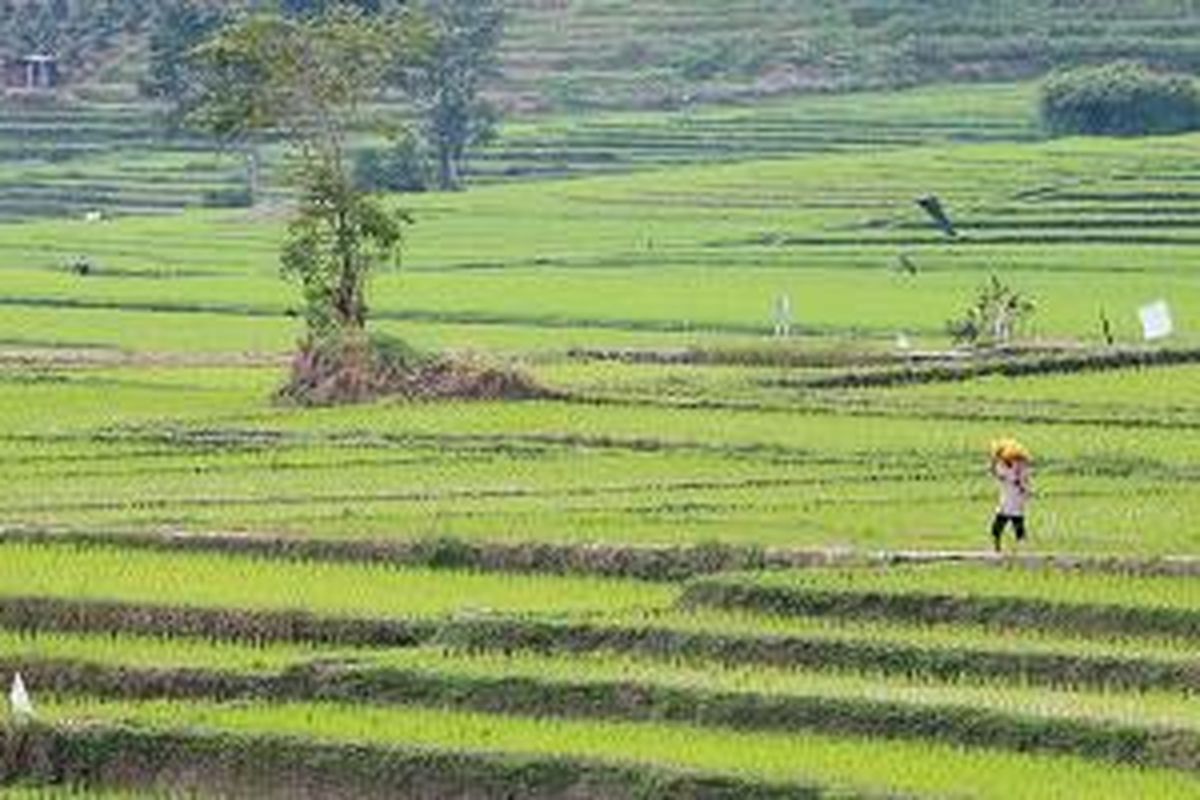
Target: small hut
{"x":33,"y":72}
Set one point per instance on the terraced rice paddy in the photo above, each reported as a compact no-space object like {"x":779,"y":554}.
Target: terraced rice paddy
{"x":681,"y":577}
{"x":667,"y":52}
{"x":679,"y":712}
{"x":118,"y":159}
{"x":620,"y":141}
{"x":710,"y":248}
{"x":114,"y":158}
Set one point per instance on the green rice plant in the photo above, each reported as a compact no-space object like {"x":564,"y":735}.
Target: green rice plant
{"x":1039,"y":597}
{"x":236,"y":582}
{"x":898,"y":633}
{"x":185,"y":763}
{"x":951,"y":662}
{"x":876,"y":469}
{"x":848,"y":762}
{"x":50,"y":792}
{"x":665,"y":232}
{"x":998,"y":579}
{"x":1141,"y":709}
{"x":164,"y":652}
{"x":794,"y":475}
{"x":637,"y":695}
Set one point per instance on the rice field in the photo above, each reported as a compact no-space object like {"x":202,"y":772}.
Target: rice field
{"x":875,"y":766}
{"x":679,"y":578}
{"x":330,"y":589}
{"x":648,"y":694}
{"x":958,"y":581}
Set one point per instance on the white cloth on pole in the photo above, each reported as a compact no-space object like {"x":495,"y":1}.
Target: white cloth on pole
{"x":1156,"y":320}
{"x":18,"y":698}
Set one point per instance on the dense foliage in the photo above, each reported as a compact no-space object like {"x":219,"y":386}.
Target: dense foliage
{"x":1119,"y":99}
{"x":448,"y":84}
{"x":76,"y":31}
{"x":308,"y":79}
{"x":180,"y":26}
{"x":623,"y":54}
{"x":403,"y":166}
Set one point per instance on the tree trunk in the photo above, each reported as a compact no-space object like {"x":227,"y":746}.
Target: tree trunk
{"x":348,"y":300}
{"x":447,"y":169}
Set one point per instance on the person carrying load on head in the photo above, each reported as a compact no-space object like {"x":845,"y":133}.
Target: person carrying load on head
{"x":1010,"y":466}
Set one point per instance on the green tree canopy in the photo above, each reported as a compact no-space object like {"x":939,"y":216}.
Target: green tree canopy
{"x":178,"y":27}
{"x":1124,"y":98}
{"x":316,"y":8}
{"x":309,"y":79}
{"x":448,"y":83}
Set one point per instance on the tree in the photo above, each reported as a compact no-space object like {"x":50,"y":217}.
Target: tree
{"x":449,"y":81}
{"x":178,"y":28}
{"x":308,"y":79}
{"x":76,"y":32}
{"x":37,"y":29}
{"x":403,"y":166}
{"x":1124,"y":98}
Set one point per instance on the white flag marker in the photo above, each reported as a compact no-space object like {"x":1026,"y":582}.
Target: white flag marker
{"x":18,"y":699}
{"x":1156,"y":320}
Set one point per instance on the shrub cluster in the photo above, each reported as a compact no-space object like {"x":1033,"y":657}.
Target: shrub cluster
{"x":228,"y":197}
{"x":1123,"y":98}
{"x":406,"y":166}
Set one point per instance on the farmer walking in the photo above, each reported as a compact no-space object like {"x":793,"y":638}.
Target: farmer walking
{"x":1010,"y":467}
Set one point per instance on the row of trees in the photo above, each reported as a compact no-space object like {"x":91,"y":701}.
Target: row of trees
{"x":443,"y":80}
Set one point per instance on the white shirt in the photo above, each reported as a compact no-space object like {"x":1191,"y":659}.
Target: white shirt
{"x":1014,"y":487}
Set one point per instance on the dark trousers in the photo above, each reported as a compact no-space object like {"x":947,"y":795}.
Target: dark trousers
{"x":1018,"y":524}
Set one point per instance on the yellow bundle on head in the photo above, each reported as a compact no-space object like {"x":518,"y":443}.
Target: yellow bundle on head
{"x":1009,"y":451}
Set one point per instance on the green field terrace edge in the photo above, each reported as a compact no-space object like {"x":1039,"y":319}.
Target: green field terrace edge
{"x":631,"y":701}
{"x":605,"y":559}
{"x":30,"y":615}
{"x":853,"y":763}
{"x":287,"y":767}
{"x":75,"y":657}
{"x":932,"y":607}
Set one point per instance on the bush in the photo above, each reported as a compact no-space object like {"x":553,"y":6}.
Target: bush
{"x":228,"y":197}
{"x":404,"y":167}
{"x":997,"y":311}
{"x":1119,"y":99}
